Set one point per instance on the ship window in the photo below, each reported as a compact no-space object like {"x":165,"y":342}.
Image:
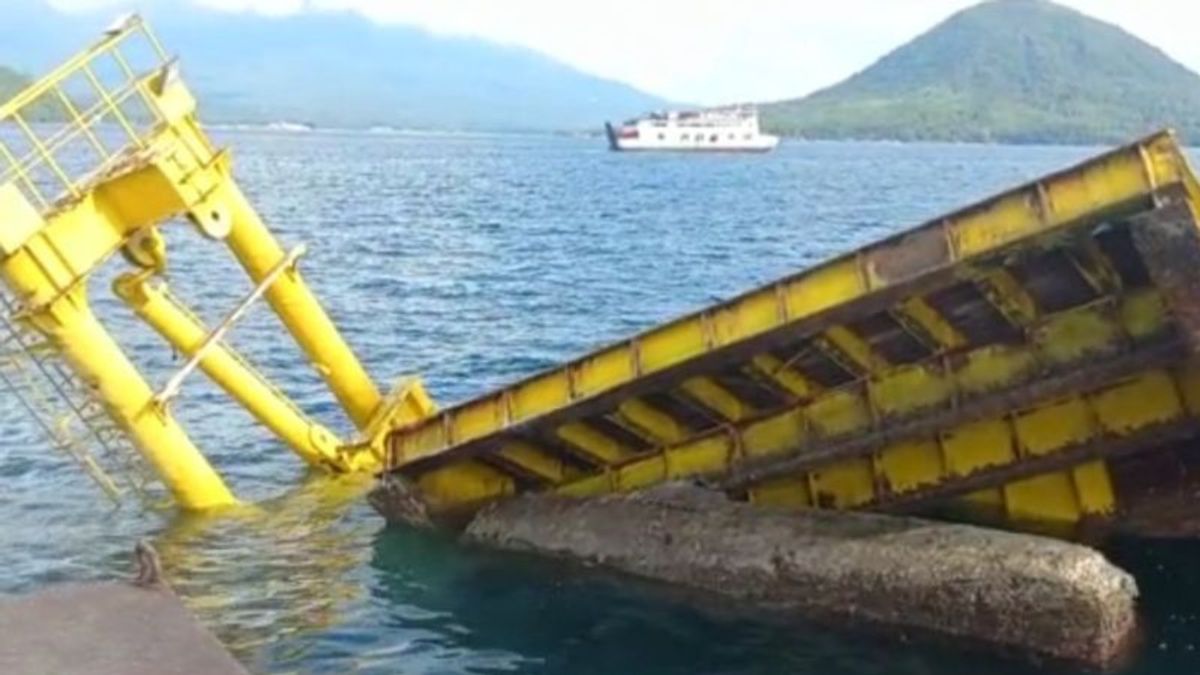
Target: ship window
{"x":714,"y":138}
{"x":731,"y":137}
{"x":683,"y":137}
{"x":661,"y":136}
{"x":748,"y":136}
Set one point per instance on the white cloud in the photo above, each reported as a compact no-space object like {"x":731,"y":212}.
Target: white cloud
{"x":269,"y":7}
{"x":713,"y":50}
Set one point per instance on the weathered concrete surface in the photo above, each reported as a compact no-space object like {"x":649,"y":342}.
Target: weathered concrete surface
{"x":1017,"y":593}
{"x":106,"y":629}
{"x":399,"y":502}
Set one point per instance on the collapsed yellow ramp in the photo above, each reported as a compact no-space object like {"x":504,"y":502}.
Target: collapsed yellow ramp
{"x":1006,"y":358}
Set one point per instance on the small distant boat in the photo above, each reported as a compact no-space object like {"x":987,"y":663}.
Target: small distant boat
{"x":290,"y":127}
{"x":730,"y":129}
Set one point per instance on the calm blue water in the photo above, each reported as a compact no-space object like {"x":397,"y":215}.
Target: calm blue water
{"x":474,"y":260}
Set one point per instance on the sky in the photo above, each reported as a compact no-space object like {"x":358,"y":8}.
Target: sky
{"x":711,"y":51}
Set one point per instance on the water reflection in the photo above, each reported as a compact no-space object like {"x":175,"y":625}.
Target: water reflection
{"x":474,"y":260}
{"x":272,"y":571}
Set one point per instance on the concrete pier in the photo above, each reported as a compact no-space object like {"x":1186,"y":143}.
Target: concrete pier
{"x":107,"y":629}
{"x":1014,"y":593}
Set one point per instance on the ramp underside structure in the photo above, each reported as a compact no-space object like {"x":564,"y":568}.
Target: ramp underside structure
{"x":1022,"y":357}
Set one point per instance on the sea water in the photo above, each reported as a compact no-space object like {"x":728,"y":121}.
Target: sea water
{"x":474,"y":260}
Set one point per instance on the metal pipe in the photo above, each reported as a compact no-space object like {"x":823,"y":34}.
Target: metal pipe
{"x":171,"y":389}
{"x":296,"y":305}
{"x":155,"y":305}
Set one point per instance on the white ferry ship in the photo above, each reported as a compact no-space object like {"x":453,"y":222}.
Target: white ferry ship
{"x":732,"y":129}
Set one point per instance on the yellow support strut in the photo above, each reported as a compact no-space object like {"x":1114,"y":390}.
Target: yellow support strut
{"x":69,"y":323}
{"x":155,"y":305}
{"x":258,"y":252}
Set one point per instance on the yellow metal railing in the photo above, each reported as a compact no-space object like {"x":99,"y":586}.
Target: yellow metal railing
{"x":68,"y":127}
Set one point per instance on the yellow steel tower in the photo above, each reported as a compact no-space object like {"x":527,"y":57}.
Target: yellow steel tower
{"x":94,"y":159}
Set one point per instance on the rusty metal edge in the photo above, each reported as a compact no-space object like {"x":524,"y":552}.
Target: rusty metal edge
{"x":878,"y":300}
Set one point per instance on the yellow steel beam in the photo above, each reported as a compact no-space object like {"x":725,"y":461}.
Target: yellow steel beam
{"x":789,"y":492}
{"x":649,"y":422}
{"x":1095,"y":268}
{"x":900,"y":391}
{"x":258,"y":252}
{"x":598,"y":447}
{"x":783,"y":375}
{"x":536,"y":462}
{"x":155,"y":305}
{"x":916,"y":311}
{"x":717,"y":398}
{"x":849,"y":350}
{"x":1007,"y":295}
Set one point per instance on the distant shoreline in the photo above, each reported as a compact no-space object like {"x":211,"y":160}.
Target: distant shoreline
{"x":298,"y":129}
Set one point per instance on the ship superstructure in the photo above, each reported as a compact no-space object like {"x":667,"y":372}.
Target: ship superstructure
{"x":732,"y":128}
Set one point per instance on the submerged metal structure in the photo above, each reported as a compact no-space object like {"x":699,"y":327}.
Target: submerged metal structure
{"x":1030,"y":358}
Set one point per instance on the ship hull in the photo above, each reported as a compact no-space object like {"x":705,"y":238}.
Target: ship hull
{"x":628,"y":143}
{"x":690,"y":133}
{"x":634,"y":147}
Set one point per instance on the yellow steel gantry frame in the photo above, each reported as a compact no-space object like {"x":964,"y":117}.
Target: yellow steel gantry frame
{"x":59,"y":223}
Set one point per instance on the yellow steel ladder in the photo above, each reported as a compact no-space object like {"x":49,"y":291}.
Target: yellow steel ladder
{"x":67,"y":412}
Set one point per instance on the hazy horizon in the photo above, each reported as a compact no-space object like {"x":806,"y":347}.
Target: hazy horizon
{"x":699,"y":51}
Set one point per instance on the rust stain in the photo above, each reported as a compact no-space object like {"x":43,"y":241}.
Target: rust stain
{"x":1169,"y":241}
{"x":910,"y":256}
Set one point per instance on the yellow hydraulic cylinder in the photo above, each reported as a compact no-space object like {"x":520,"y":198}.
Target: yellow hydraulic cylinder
{"x":258,"y":252}
{"x":155,"y":305}
{"x":70,"y":324}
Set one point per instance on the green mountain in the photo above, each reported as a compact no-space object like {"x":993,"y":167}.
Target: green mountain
{"x":336,"y":68}
{"x":1017,"y":71}
{"x":10,"y":83}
